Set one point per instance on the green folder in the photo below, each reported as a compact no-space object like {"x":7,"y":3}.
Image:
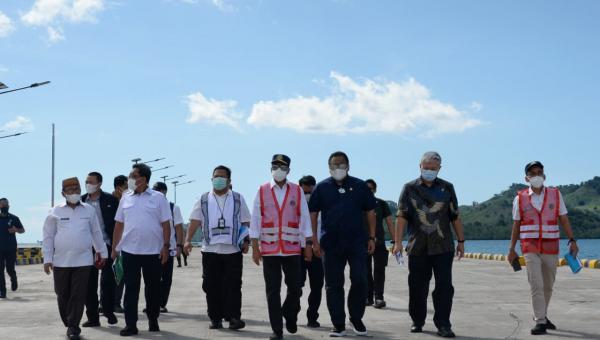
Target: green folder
{"x":117,"y":268}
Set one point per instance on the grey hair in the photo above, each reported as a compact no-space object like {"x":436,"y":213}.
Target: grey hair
{"x":431,"y":156}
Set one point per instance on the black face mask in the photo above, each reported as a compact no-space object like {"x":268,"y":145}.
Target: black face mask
{"x":4,"y":210}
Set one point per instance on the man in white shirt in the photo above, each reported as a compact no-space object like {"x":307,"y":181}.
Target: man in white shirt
{"x":176,"y":243}
{"x":143,"y":237}
{"x":280,"y":219}
{"x":70,"y":231}
{"x":224,"y":218}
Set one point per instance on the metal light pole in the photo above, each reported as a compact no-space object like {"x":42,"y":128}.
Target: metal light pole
{"x":13,"y":135}
{"x":23,"y":88}
{"x":163,"y":168}
{"x":52,"y":186}
{"x":177,"y":184}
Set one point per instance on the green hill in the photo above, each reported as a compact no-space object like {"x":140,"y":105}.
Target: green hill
{"x":492,"y":219}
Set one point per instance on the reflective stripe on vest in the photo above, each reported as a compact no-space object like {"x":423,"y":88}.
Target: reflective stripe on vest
{"x":280,"y":231}
{"x":539,"y":232}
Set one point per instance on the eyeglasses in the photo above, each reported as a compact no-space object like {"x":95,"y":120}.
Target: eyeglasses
{"x":278,"y":166}
{"x":341,"y":166}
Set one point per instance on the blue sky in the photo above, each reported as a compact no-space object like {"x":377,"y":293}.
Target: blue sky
{"x":490,"y":85}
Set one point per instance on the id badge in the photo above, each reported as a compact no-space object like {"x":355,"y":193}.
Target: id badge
{"x":221,"y":223}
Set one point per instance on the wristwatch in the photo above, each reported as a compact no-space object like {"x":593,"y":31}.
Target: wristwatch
{"x":372,"y":238}
{"x":460,"y":241}
{"x":167,"y":245}
{"x":309,"y":242}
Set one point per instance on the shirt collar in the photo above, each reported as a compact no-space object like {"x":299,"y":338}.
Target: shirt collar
{"x":273,"y":184}
{"x":530,"y":191}
{"x":216,"y":195}
{"x":421,"y":182}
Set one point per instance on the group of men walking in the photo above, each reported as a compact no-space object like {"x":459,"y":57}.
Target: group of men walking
{"x":296,"y":231}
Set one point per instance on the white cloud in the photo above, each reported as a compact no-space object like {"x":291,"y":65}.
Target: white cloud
{"x":476,"y":106}
{"x":20,"y":123}
{"x":363,"y":107}
{"x":53,"y":13}
{"x":6,"y":25}
{"x":55,"y":34}
{"x":212,"y":111}
{"x":222,"y":5}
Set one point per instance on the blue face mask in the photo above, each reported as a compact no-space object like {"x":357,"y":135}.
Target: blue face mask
{"x":219,"y":183}
{"x":429,"y":175}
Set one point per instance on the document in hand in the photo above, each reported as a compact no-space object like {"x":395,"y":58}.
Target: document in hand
{"x":244,"y":232}
{"x":117,"y":268}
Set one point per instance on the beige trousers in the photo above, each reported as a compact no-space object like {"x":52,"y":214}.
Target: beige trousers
{"x":541,"y":272}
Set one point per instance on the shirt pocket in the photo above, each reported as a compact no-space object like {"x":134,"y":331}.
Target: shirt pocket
{"x":151,"y":205}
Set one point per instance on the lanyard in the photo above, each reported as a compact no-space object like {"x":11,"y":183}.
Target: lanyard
{"x":224,"y":203}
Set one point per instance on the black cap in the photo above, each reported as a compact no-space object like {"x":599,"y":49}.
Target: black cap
{"x":280,"y":158}
{"x":533,"y":164}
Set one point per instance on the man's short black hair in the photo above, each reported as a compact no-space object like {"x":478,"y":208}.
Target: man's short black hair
{"x":97,"y":175}
{"x":119,"y":181}
{"x":3,"y":199}
{"x":223,"y":167}
{"x":143,"y":171}
{"x":339,"y":154}
{"x":372,"y":182}
{"x":160,"y":186}
{"x":307,"y":180}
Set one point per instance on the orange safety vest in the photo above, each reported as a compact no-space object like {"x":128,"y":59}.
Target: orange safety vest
{"x":279,"y":232}
{"x":539,"y":232}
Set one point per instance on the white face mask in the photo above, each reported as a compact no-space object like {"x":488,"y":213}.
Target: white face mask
{"x":338,"y":174}
{"x":131,"y":184}
{"x":537,"y":181}
{"x":279,"y":175}
{"x":74,"y":198}
{"x":91,"y":188}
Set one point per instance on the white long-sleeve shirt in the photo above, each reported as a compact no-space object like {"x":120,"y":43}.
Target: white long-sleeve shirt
{"x":305,"y":226}
{"x":70,"y":233}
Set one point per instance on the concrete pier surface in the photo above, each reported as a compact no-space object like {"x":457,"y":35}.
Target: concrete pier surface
{"x":487,"y":292}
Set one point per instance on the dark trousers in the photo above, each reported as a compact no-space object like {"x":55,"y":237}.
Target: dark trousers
{"x":273,"y":266}
{"x":222,"y":283}
{"x":334,"y":262}
{"x":419,"y":275}
{"x":70,"y":286}
{"x":184,"y":259}
{"x":8,"y":258}
{"x":119,"y":293}
{"x":151,"y":269}
{"x":316,"y":278}
{"x":376,"y":264}
{"x":166,"y":279}
{"x":107,"y":290}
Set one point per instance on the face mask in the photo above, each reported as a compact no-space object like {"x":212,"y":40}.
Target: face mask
{"x":307,"y":197}
{"x":219,"y":183}
{"x":536,"y":182}
{"x":338,"y":174}
{"x":91,"y":188}
{"x":4,"y":210}
{"x":73,"y":199}
{"x":131,"y":184}
{"x":429,"y":175}
{"x":279,"y":175}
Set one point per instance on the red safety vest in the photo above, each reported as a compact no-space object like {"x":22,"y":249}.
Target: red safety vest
{"x":279,"y":232}
{"x":539,"y":232}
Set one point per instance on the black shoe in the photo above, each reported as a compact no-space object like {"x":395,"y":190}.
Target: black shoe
{"x":215,"y":324}
{"x":291,"y":326}
{"x":178,"y":266}
{"x":91,"y":323}
{"x":119,"y":309}
{"x":550,"y":325}
{"x":359,"y":327}
{"x":112,"y":318}
{"x":416,"y":329}
{"x":276,"y":336}
{"x":153,"y":326}
{"x":338,"y":331}
{"x":446,"y":332}
{"x":539,"y":329}
{"x":72,"y":334}
{"x":144,"y":311}
{"x":313,"y":324}
{"x":236,"y":324}
{"x":379,"y":304}
{"x":164,"y":310}
{"x":14,"y":284}
{"x":2,"y":295}
{"x":129,"y":331}
{"x":369,"y":302}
